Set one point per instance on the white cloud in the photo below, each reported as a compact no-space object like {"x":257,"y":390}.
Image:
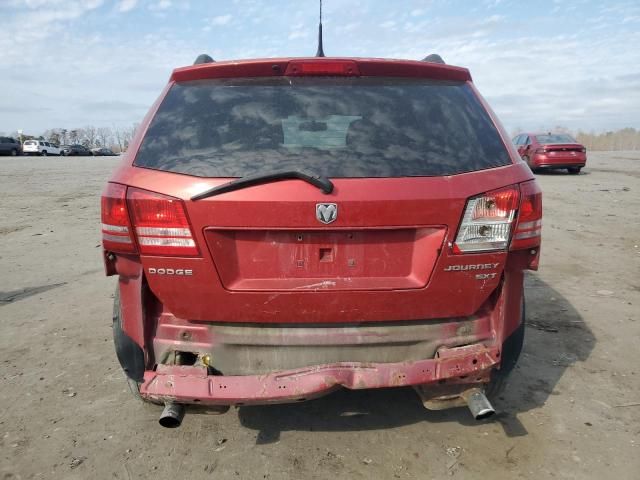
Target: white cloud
{"x":161,"y":5}
{"x":126,"y":5}
{"x":220,"y":20}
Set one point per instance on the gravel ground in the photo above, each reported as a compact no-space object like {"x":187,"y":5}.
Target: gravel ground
{"x":572,"y":409}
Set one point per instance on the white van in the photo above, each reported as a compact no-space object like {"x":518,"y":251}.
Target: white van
{"x":40,"y":147}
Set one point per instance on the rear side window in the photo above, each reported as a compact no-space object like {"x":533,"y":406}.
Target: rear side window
{"x":337,"y":127}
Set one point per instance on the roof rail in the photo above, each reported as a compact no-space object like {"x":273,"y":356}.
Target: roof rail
{"x":433,"y":58}
{"x":203,"y":58}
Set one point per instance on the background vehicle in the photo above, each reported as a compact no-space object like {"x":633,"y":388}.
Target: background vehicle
{"x":551,"y":150}
{"x":10,"y":146}
{"x":286,"y":227}
{"x":102,"y":152}
{"x":75,"y":150}
{"x":40,"y":147}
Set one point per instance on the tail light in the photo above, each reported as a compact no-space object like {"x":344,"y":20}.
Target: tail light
{"x":541,"y":150}
{"x":161,"y":224}
{"x":116,"y":229}
{"x":487,"y":221}
{"x":528,"y":230}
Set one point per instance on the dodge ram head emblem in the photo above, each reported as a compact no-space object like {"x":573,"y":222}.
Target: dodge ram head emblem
{"x":326,"y":212}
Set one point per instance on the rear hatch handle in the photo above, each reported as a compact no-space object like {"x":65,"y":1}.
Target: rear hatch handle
{"x":323,"y":183}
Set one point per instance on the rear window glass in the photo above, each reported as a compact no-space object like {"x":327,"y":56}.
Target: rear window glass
{"x":557,"y":138}
{"x":337,"y":127}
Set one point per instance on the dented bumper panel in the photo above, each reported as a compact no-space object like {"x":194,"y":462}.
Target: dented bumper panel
{"x":264,"y":349}
{"x":192,"y":384}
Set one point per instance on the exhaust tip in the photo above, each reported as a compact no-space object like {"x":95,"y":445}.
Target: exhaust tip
{"x":486,"y":413}
{"x":172,"y":415}
{"x":478,"y":404}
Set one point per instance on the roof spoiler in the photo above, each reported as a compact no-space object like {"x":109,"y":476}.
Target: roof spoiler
{"x":433,"y":58}
{"x":203,"y":58}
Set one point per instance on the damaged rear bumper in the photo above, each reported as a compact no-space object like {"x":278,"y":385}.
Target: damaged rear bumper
{"x":470,"y":364}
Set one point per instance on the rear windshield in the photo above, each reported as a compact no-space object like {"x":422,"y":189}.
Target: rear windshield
{"x":557,"y":138}
{"x":336,"y":127}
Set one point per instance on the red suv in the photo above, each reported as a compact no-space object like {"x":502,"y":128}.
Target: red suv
{"x":282,"y":228}
{"x":551,"y":150}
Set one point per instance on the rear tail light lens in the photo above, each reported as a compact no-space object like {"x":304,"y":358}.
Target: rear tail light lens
{"x":487,"y":221}
{"x":541,"y":150}
{"x":528,"y":231}
{"x":161,"y":224}
{"x":116,"y":230}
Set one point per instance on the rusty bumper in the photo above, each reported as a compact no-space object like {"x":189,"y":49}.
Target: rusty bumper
{"x":193,"y":385}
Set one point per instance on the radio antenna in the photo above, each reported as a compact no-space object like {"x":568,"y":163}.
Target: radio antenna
{"x":320,"y":52}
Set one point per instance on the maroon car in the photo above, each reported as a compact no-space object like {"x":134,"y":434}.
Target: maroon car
{"x":551,"y":151}
{"x":281,"y":228}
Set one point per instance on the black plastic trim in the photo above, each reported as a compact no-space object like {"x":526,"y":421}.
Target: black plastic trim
{"x":129,"y":353}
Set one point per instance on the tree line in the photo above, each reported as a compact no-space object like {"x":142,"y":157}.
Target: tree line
{"x":624,"y":139}
{"x":115,"y":138}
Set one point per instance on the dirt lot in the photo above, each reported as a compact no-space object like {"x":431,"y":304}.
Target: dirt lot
{"x":572,"y":409}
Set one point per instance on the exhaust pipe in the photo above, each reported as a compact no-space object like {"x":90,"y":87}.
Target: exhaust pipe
{"x":172,"y":415}
{"x":478,"y":403}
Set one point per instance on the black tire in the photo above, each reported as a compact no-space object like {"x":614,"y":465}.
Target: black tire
{"x":511,"y":350}
{"x":574,"y":170}
{"x":43,"y":153}
{"x":14,"y":153}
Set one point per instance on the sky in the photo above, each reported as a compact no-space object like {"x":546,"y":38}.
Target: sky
{"x":72,"y":63}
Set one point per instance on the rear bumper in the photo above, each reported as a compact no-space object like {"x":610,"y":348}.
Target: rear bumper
{"x":193,"y":385}
{"x":547,"y":161}
{"x":563,"y":165}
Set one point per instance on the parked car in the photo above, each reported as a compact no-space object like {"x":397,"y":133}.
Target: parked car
{"x":282,"y":228}
{"x":10,"y":146}
{"x":551,"y":151}
{"x":75,"y":150}
{"x":40,"y":147}
{"x":101,"y":152}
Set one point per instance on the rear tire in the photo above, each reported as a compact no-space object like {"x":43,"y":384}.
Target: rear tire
{"x":44,"y":153}
{"x":574,"y":170}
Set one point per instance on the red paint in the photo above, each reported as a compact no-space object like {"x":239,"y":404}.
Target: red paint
{"x":538,"y":154}
{"x":182,"y":384}
{"x":245,"y":267}
{"x":281,"y":66}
